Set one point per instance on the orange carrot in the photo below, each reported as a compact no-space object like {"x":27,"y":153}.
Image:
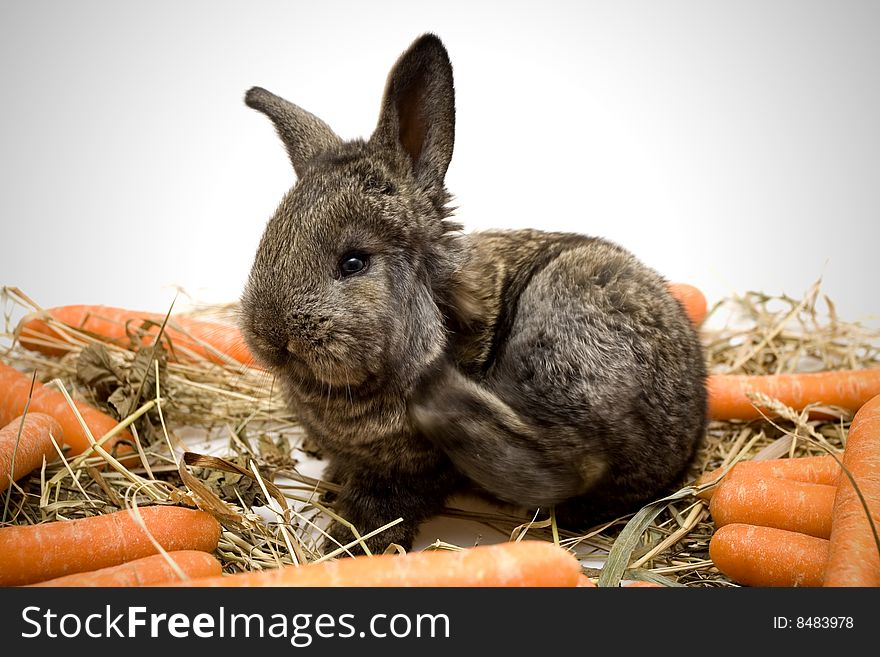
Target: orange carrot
{"x":641,"y":584}
{"x":35,"y":553}
{"x":154,"y":569}
{"x":846,"y":388}
{"x":692,"y":299}
{"x":28,"y":446}
{"x":526,"y":563}
{"x":112,"y":324}
{"x":809,"y":469}
{"x":766,"y":556}
{"x":16,"y":386}
{"x":854,"y":557}
{"x":585,"y":582}
{"x":770,"y":502}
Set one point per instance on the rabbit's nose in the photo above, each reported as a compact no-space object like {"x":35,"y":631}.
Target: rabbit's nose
{"x":306,"y":330}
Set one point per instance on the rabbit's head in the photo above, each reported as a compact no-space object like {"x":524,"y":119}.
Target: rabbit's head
{"x":348,"y":280}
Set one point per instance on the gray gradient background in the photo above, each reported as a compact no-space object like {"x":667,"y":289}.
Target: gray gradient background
{"x":732,"y":145}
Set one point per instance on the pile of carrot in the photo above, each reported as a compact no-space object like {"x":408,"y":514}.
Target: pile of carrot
{"x":215,"y":341}
{"x":17,"y":394}
{"x":64,"y":548}
{"x":26,"y":439}
{"x":800,"y":522}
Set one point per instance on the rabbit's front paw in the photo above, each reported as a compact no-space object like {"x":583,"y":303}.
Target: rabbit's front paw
{"x":496,"y":446}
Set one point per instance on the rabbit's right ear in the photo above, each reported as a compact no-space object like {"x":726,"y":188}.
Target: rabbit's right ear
{"x":304,"y":134}
{"x":417,"y":119}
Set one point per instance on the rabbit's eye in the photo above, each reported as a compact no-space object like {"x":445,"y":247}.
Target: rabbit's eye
{"x":353,"y":263}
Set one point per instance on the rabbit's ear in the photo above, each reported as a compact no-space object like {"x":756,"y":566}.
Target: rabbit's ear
{"x":418,"y":110}
{"x":304,"y":134}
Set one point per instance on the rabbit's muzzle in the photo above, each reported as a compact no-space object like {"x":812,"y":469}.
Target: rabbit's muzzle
{"x":307,"y":332}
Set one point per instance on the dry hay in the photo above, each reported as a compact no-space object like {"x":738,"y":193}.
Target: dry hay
{"x":220,"y":437}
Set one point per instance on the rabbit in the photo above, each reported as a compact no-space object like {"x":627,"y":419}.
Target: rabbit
{"x":540,"y":369}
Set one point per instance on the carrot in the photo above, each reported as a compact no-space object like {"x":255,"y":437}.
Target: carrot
{"x":641,"y":584}
{"x":692,"y":299}
{"x":112,"y":324}
{"x":766,"y":556}
{"x":770,"y":502}
{"x":16,"y":387}
{"x":154,"y":569}
{"x":585,"y":582}
{"x":809,"y":469}
{"x":854,"y":557}
{"x":526,"y":563}
{"x":846,"y":388}
{"x":35,"y":553}
{"x":28,"y":442}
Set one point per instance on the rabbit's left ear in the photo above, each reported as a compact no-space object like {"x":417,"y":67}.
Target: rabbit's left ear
{"x":418,"y":111}
{"x":304,"y":134}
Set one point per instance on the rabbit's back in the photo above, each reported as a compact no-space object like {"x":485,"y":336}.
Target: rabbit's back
{"x":588,"y":344}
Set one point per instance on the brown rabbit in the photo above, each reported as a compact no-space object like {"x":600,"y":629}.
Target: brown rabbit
{"x":542,"y":369}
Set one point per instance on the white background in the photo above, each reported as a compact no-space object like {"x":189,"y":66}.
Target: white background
{"x":731,"y":145}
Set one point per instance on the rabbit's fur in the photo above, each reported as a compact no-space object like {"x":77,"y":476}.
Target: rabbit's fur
{"x":542,"y":369}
